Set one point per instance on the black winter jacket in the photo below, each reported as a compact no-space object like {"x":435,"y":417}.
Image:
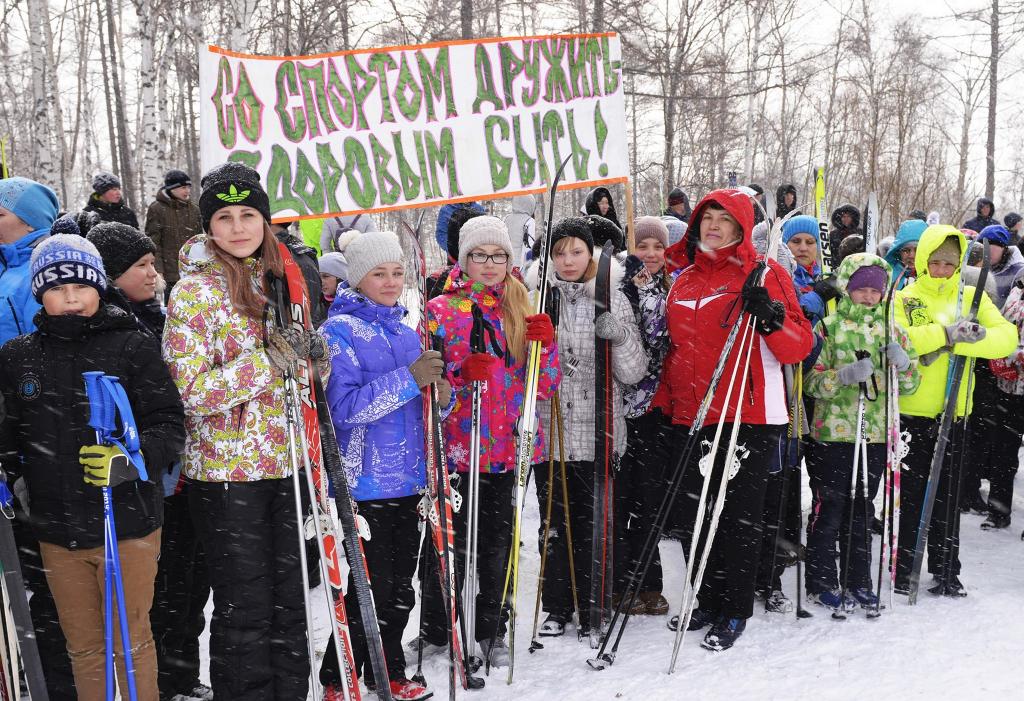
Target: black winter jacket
{"x":980,"y":221}
{"x":107,"y":211}
{"x":47,"y":423}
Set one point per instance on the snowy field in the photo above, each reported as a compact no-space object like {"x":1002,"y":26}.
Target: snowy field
{"x":941,"y":649}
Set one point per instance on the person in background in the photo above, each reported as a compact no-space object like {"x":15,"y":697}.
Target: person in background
{"x":333,"y":272}
{"x":785,"y":200}
{"x":678,"y":205}
{"x":171,"y":220}
{"x":676,"y":228}
{"x":903,"y":250}
{"x":985,"y":215}
{"x":107,"y":200}
{"x":522,"y":227}
{"x":599,"y":202}
{"x":338,"y":232}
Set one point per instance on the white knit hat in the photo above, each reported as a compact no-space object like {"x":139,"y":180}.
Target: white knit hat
{"x":368,"y":251}
{"x":483,"y":231}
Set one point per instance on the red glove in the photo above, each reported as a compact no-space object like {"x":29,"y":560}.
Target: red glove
{"x":478,"y":367}
{"x":539,"y":328}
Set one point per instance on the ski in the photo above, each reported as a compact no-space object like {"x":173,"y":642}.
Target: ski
{"x":955,"y":375}
{"x":895,"y":450}
{"x":604,"y":449}
{"x":871,"y":223}
{"x":441,"y":500}
{"x":527,"y":429}
{"x":477,"y":344}
{"x":320,"y":452}
{"x":17,"y":599}
{"x":824,"y":241}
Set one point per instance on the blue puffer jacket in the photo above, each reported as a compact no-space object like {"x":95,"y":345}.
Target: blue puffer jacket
{"x":17,"y":305}
{"x":375,"y":404}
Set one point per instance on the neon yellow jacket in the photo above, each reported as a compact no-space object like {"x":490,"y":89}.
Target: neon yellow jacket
{"x":925,"y":307}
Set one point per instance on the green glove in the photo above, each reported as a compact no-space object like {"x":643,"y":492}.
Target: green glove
{"x":106,"y":465}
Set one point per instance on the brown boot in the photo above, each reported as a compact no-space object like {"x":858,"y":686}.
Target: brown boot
{"x":654,"y":603}
{"x":639,"y":608}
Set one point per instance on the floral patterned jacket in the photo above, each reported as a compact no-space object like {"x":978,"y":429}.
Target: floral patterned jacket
{"x":852,"y":328}
{"x":234,"y":401}
{"x":451,"y":320}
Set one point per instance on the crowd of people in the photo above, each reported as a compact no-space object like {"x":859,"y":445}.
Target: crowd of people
{"x":178,"y":310}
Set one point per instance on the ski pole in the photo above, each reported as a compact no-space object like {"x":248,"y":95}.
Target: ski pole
{"x":851,"y":504}
{"x":534,"y":643}
{"x":102,"y":419}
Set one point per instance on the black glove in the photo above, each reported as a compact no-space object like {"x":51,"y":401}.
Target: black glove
{"x":826,"y":289}
{"x":769,"y":315}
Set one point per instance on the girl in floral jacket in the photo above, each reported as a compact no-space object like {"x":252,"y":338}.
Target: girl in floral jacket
{"x":857,"y":324}
{"x":482,"y":279}
{"x":229,"y":369}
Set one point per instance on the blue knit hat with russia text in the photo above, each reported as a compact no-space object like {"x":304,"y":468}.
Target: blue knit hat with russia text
{"x":800,"y":224}
{"x":33,"y":203}
{"x":66,"y":259}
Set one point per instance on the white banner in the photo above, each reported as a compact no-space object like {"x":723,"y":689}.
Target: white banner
{"x":409,"y":126}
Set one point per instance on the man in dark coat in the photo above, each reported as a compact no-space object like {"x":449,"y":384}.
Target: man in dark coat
{"x":171,"y":220}
{"x":845,"y":222}
{"x":785,"y":200}
{"x":107,"y":200}
{"x":678,"y":205}
{"x":986,"y":213}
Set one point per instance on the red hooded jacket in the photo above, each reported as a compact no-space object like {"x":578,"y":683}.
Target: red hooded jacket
{"x":702,"y":307}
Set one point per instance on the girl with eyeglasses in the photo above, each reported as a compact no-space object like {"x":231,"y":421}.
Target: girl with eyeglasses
{"x":482,"y":279}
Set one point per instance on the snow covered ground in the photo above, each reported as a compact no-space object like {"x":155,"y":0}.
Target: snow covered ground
{"x":942,"y":648}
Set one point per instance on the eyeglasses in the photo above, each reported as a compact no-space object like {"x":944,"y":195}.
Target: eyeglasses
{"x":496,"y":258}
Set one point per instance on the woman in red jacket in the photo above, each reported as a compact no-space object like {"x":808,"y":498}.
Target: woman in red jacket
{"x":703,"y":305}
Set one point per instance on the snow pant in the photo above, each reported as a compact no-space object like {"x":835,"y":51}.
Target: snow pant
{"x":391,"y":559}
{"x":1004,"y":445}
{"x":556,"y":595}
{"x":829,"y":471}
{"x":913,"y":483}
{"x":53,"y":648}
{"x":493,"y":542}
{"x":77,"y":580}
{"x":640,"y":486}
{"x":258,"y":632}
{"x":729,"y":578}
{"x":182,"y":590}
{"x":987,"y":424}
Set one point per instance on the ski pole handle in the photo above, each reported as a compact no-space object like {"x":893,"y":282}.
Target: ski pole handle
{"x":101,"y":412}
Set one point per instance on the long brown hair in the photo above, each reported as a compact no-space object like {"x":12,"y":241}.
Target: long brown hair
{"x":246,"y":298}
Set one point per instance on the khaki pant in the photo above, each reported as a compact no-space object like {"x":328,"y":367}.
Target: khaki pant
{"x":76,"y":578}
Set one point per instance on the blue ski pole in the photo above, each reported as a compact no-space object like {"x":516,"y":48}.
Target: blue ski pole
{"x":106,"y":397}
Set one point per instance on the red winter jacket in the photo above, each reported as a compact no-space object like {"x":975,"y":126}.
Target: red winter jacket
{"x":704,"y":304}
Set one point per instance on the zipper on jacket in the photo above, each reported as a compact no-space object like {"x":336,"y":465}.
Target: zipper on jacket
{"x":14,"y":314}
{"x":241,"y":413}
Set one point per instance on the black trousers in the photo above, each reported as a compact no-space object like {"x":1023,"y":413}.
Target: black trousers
{"x":556,"y":595}
{"x":391,"y":560}
{"x":53,"y":650}
{"x":1004,"y":443}
{"x":179,"y":597}
{"x":494,"y":540}
{"x":990,"y":413}
{"x":640,"y":486}
{"x":729,"y":579}
{"x":829,"y":471}
{"x":945,"y":512}
{"x":250,"y":536}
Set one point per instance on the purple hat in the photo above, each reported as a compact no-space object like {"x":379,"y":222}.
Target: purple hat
{"x":873,"y":276}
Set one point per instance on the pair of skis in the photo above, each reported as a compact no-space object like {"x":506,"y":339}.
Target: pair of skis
{"x":441,"y":500}
{"x":306,"y":402}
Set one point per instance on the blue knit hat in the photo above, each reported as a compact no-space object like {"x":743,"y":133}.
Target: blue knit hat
{"x":800,"y":224}
{"x":997,"y":234}
{"x":33,"y":203}
{"x":66,"y":259}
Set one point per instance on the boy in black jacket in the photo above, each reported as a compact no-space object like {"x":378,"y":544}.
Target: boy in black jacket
{"x":45,"y":437}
